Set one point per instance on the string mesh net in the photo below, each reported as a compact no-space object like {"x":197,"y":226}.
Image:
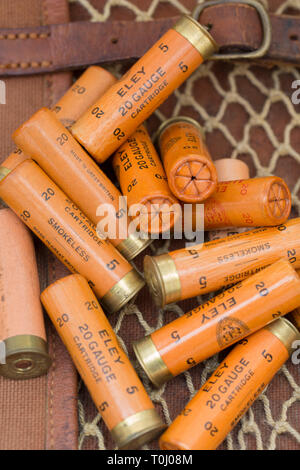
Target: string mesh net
{"x":247,"y":113}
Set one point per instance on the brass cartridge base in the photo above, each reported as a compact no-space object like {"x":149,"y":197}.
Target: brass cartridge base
{"x":138,"y":429}
{"x":162,"y":279}
{"x":286,"y":332}
{"x":26,"y":357}
{"x":123,"y":291}
{"x":151,"y":361}
{"x":197,"y":35}
{"x":133,"y":245}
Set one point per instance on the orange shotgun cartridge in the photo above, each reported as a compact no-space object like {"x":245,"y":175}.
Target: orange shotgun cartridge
{"x":191,"y":174}
{"x":248,"y":203}
{"x":220,"y":322}
{"x":14,"y":158}
{"x":149,"y":82}
{"x":104,"y":367}
{"x":56,"y":151}
{"x":207,"y":267}
{"x":92,"y":84}
{"x":22,"y":331}
{"x":231,"y":390}
{"x":82,"y":94}
{"x":143,"y":180}
{"x":228,"y":169}
{"x":68,"y":233}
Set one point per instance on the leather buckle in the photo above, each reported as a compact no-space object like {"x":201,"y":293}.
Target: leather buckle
{"x":265,"y":22}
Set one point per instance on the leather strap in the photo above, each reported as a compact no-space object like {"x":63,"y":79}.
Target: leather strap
{"x":61,"y":418}
{"x":37,"y":414}
{"x":235,"y":27}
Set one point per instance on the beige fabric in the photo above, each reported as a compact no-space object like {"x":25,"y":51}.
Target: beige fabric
{"x":247,"y":113}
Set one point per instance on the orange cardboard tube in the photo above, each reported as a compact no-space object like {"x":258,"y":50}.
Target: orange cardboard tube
{"x":68,"y":233}
{"x":87,"y":89}
{"x":220,"y":322}
{"x":248,"y":203}
{"x":143,"y":181}
{"x":56,"y":151}
{"x":191,"y":174}
{"x":188,"y":272}
{"x":128,"y":103}
{"x":226,"y":396}
{"x":21,"y":317}
{"x":103,"y":365}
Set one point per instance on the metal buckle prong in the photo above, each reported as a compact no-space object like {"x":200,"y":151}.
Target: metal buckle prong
{"x":265,"y":22}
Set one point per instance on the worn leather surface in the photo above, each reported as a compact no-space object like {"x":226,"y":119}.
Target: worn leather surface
{"x":39,"y":413}
{"x":235,"y":27}
{"x":61,"y":419}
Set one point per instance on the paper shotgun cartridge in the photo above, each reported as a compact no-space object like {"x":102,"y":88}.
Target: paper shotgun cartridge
{"x":111,"y":380}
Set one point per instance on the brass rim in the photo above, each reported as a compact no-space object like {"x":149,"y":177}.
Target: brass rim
{"x":151,"y":361}
{"x":133,"y":246}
